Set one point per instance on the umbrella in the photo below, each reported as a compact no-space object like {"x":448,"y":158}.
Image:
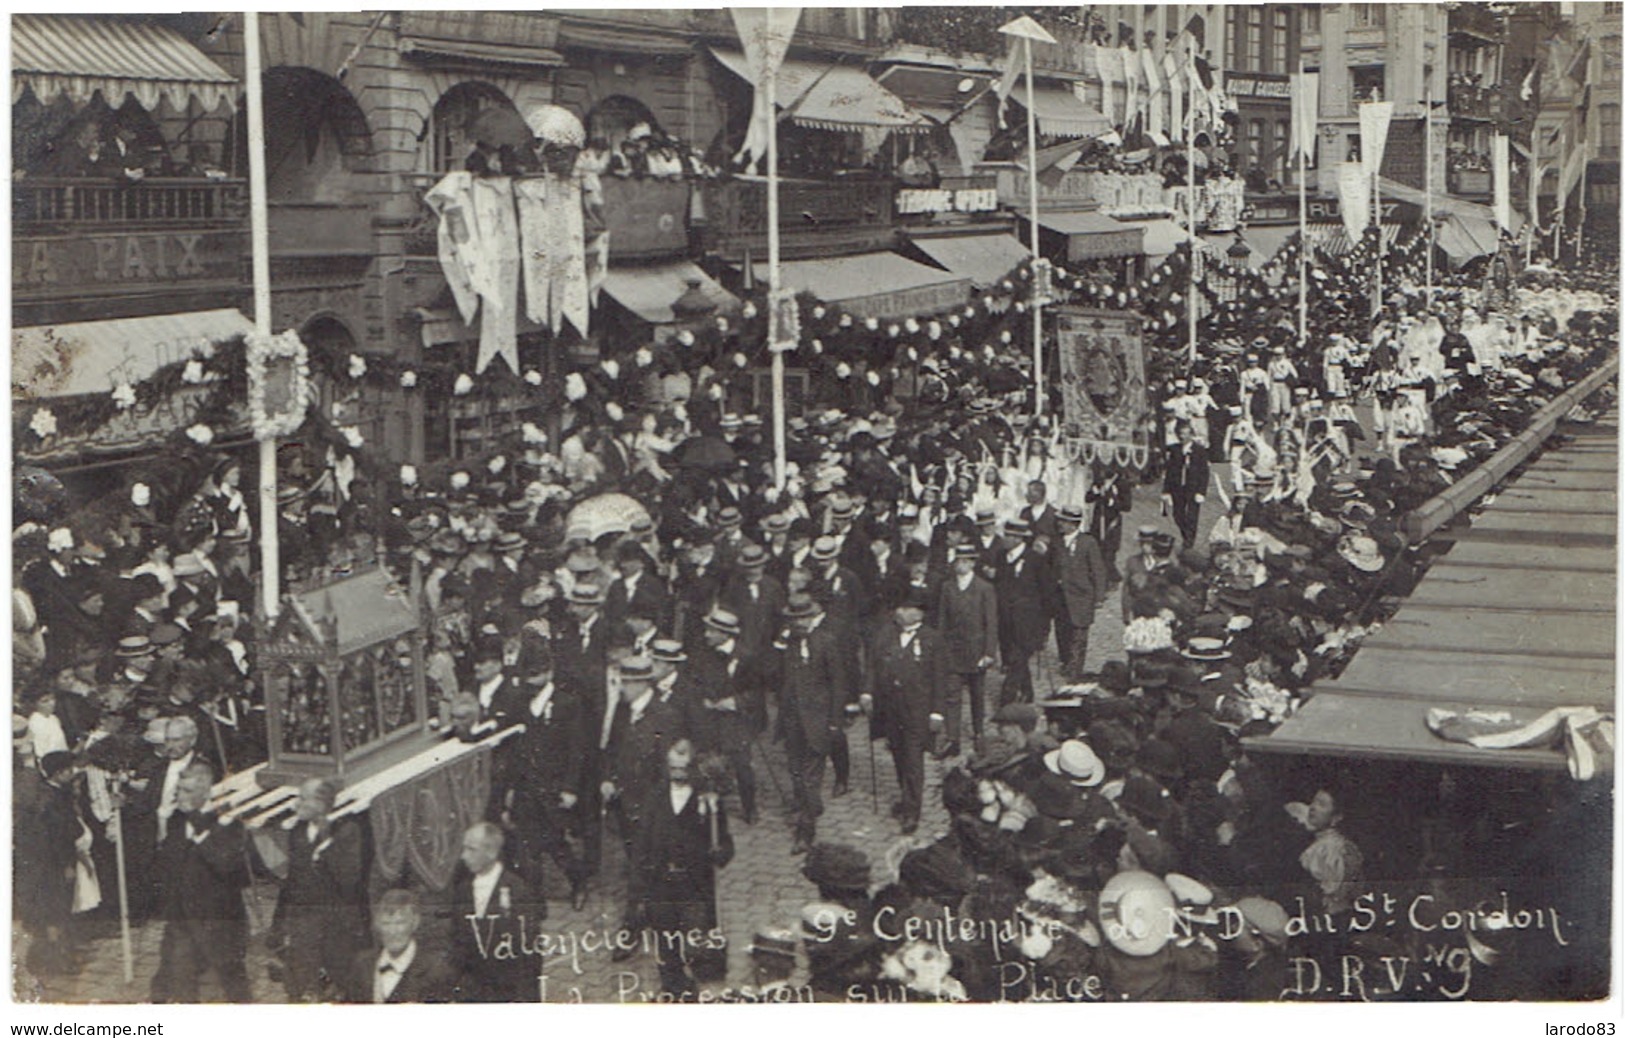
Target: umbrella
{"x":500,"y":127}
{"x":606,"y":513}
{"x":706,"y":452}
{"x":37,"y":495}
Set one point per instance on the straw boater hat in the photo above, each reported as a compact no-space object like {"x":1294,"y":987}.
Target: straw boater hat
{"x":720,"y":619}
{"x":1136,"y":913}
{"x":585,"y":593}
{"x":1361,"y":552}
{"x":1077,"y":763}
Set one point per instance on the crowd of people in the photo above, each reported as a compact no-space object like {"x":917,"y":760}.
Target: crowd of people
{"x":931,"y":543}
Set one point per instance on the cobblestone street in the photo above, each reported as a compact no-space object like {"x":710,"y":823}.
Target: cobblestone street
{"x":761,"y":888}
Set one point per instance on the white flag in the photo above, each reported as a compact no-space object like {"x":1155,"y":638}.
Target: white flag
{"x":1106,"y":65}
{"x":1131,"y":80}
{"x":765,"y":35}
{"x":1305,"y":113}
{"x":1501,"y":166}
{"x":1354,"y":198}
{"x":1374,"y":119}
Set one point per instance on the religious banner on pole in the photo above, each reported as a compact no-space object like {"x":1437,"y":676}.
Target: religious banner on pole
{"x":1103,"y":385}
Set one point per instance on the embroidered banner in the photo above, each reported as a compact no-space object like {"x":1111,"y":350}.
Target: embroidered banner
{"x":421,"y":823}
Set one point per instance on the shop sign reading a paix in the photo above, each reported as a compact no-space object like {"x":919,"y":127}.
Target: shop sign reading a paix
{"x":54,"y":265}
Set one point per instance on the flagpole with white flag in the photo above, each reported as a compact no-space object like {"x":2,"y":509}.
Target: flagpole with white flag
{"x":1190,"y":218}
{"x":765,"y":35}
{"x":1025,"y":30}
{"x":1303,"y":138}
{"x":1374,"y":119}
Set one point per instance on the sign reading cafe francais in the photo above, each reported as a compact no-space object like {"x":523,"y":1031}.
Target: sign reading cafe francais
{"x":1103,"y":385}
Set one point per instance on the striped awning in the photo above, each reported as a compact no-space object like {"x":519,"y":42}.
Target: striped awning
{"x":1333,"y":238}
{"x":80,"y":56}
{"x":833,"y":97}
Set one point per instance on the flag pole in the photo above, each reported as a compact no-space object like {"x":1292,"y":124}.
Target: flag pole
{"x":773,"y":273}
{"x":1303,"y":210}
{"x":259,"y":233}
{"x":1190,"y":216}
{"x":1376,"y":216}
{"x":1427,"y":177}
{"x":1032,"y":195}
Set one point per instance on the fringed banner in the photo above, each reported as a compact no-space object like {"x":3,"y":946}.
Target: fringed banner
{"x":1103,"y":385}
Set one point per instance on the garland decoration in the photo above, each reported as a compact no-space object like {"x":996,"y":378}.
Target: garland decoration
{"x":279,"y":391}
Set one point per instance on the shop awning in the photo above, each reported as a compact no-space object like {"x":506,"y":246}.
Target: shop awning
{"x":650,"y":291}
{"x":1443,"y":203}
{"x":877,"y":284}
{"x":1060,"y":113}
{"x":984,"y":258}
{"x":82,"y":55}
{"x":1517,"y":618}
{"x":96,"y":357}
{"x":1163,"y":237}
{"x":935,"y":88}
{"x":1333,"y":238}
{"x":1464,"y":238}
{"x":833,"y":97}
{"x":470,"y":52}
{"x":1091,"y":235}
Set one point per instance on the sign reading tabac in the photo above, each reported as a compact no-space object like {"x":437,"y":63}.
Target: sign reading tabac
{"x":1103,"y":390}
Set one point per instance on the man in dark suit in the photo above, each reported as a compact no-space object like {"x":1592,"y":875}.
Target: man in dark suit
{"x":908,"y":676}
{"x":1040,"y":515}
{"x":539,"y":779}
{"x":1110,"y":495}
{"x":150,"y":811}
{"x":756,"y":599}
{"x":400,"y":970}
{"x":319,"y":910}
{"x":812,"y":703}
{"x":717,"y":720}
{"x":1081,"y":575}
{"x":637,"y":591}
{"x":843,"y":595}
{"x":202,"y":872}
{"x":1023,"y":594}
{"x":682,"y":840}
{"x":1184,"y":482}
{"x":582,"y":674}
{"x":696,"y":585}
{"x":491,"y":905}
{"x":968,"y":617}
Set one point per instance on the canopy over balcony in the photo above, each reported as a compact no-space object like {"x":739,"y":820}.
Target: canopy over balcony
{"x":80,"y":56}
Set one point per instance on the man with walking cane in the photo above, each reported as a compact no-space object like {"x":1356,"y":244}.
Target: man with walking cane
{"x":907,"y":679}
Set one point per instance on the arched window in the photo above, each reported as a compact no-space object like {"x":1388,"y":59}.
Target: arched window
{"x":613,"y":118}
{"x":454,"y":113}
{"x":315,"y":132}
